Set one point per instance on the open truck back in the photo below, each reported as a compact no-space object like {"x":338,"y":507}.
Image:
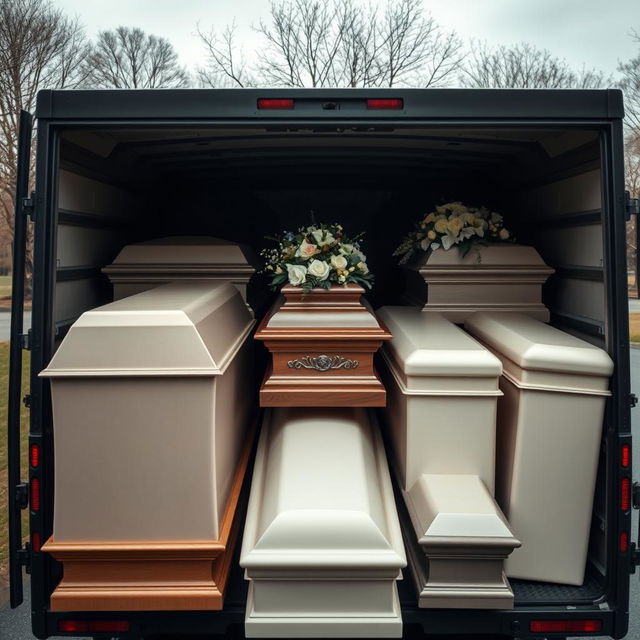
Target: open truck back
{"x":116,"y":167}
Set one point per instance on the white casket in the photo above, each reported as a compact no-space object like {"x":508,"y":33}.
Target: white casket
{"x":549,"y":431}
{"x":442,"y":389}
{"x":151,"y":413}
{"x":496,"y":277}
{"x":322,"y":546}
{"x":144,"y":265}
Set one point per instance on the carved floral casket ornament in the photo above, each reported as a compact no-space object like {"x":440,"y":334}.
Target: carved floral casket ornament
{"x":322,"y":345}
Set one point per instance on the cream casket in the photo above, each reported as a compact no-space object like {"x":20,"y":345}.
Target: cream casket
{"x":496,"y":277}
{"x":151,"y":415}
{"x":322,"y":546}
{"x":144,"y":265}
{"x":549,"y":430}
{"x":442,"y":394}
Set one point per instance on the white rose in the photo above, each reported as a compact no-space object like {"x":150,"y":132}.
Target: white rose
{"x":297,"y":274}
{"x":322,"y":237}
{"x":504,"y":234}
{"x":346,"y":248}
{"x":339,"y":262}
{"x":363,"y":267}
{"x":319,"y":269}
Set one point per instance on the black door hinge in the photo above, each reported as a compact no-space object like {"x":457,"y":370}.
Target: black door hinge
{"x":28,"y":206}
{"x":24,"y":557}
{"x":25,"y":340}
{"x":631,"y":205}
{"x":22,"y":495}
{"x":633,"y":400}
{"x":26,"y":401}
{"x":634,"y":557}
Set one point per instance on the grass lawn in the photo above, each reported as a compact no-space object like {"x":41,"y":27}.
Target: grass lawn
{"x":634,"y":327}
{"x":5,"y":287}
{"x":4,"y":375}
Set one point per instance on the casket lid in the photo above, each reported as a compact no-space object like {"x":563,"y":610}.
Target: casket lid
{"x":427,"y":344}
{"x":494,"y":255}
{"x":534,"y":345}
{"x":175,"y":329}
{"x":195,"y":252}
{"x":321,"y":495}
{"x":451,"y":508}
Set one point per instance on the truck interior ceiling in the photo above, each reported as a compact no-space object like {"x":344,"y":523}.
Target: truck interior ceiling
{"x":122,"y":185}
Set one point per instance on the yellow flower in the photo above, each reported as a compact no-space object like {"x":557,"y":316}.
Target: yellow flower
{"x":431,"y":235}
{"x":430,"y":218}
{"x":441,"y":225}
{"x":455,"y":225}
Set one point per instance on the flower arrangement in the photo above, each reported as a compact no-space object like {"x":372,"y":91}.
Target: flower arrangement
{"x":319,"y":255}
{"x":454,"y":224}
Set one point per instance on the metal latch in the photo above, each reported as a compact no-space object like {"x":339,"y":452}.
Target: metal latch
{"x":24,"y":556}
{"x":633,"y":400}
{"x":25,"y":340}
{"x":26,"y":401}
{"x":634,"y":557}
{"x":22,"y":495}
{"x":631,"y":205}
{"x":28,"y":205}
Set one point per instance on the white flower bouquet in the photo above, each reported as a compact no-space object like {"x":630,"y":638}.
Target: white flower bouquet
{"x":316,"y":256}
{"x":454,"y":224}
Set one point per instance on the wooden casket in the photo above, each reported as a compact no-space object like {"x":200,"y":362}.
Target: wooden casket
{"x":549,"y":431}
{"x":152,"y":436}
{"x":322,"y":346}
{"x":322,"y":546}
{"x":441,"y":412}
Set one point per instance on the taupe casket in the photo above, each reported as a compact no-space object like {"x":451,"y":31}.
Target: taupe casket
{"x":143,"y":265}
{"x":442,"y":389}
{"x":151,"y":413}
{"x":549,"y":431}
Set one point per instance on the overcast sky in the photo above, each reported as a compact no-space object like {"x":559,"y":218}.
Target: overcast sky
{"x":595,"y":33}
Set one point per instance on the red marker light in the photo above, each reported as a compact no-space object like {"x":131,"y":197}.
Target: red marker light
{"x":275,"y":103}
{"x":93,"y":626}
{"x":34,"y":455}
{"x":624,"y":542}
{"x":385,"y":103}
{"x":36,"y":541}
{"x":565,"y":626}
{"x":35,"y":494}
{"x":625,"y":494}
{"x":625,"y":455}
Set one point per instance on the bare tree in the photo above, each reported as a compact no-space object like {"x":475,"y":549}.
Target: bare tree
{"x":630,"y":84}
{"x":128,"y":58}
{"x":319,"y":43}
{"x":40,"y":48}
{"x":525,"y":66}
{"x":632,"y":184}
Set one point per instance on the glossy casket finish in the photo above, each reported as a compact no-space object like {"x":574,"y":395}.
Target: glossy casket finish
{"x":497,"y":277}
{"x":322,"y":546}
{"x":156,"y":384}
{"x":443,"y":391}
{"x":549,"y":430}
{"x":144,"y":265}
{"x":322,"y":346}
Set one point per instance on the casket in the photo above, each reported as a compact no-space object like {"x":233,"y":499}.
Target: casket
{"x":151,"y":413}
{"x":441,"y":411}
{"x":144,"y":265}
{"x":322,"y":546}
{"x":549,"y":431}
{"x":322,"y":346}
{"x":496,"y":277}
{"x":442,"y":390}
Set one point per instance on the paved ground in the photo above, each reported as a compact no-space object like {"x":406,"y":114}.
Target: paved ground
{"x":15,"y":625}
{"x":5,"y":324}
{"x":634,"y":305}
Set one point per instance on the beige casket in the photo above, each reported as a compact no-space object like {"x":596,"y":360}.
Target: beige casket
{"x":442,"y":391}
{"x":496,"y":277}
{"x":144,"y":265}
{"x":322,"y":546}
{"x":151,"y":411}
{"x":549,"y":431}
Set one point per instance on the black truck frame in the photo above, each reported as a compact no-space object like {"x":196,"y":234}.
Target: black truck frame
{"x":607,"y":605}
